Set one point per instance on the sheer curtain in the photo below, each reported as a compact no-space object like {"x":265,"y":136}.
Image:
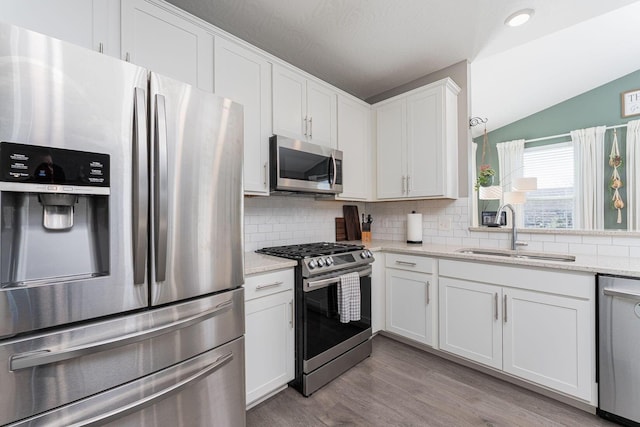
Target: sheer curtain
{"x":589,"y":180}
{"x":632,"y":163}
{"x":510,"y":161}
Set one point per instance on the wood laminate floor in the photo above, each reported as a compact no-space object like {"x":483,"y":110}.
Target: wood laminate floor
{"x":403,"y":386}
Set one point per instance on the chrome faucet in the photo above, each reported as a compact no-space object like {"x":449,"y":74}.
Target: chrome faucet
{"x":514,"y":231}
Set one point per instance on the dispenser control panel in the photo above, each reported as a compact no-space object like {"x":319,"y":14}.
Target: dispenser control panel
{"x":33,"y":164}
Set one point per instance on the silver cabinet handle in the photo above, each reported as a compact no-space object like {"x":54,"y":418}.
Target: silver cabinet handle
{"x":101,"y":47}
{"x":505,"y":309}
{"x":410,"y":264}
{"x":127,"y":57}
{"x":310,"y":127}
{"x":268,"y":286}
{"x":404,"y":184}
{"x":46,"y":356}
{"x":291,"y":318}
{"x":140,"y":187}
{"x":161,"y":190}
{"x":428,"y":288}
{"x":495,"y":301}
{"x":265,"y":174}
{"x":306,"y":126}
{"x":155,"y":397}
{"x":623,"y":294}
{"x":408,"y":184}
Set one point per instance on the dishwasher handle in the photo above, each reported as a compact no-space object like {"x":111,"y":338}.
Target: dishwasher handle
{"x":622,"y":294}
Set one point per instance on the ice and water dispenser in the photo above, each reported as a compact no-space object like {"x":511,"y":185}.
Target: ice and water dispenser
{"x":54,"y":204}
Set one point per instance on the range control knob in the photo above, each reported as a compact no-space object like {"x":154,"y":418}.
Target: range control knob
{"x":329,"y":261}
{"x":320,"y":262}
{"x":363,"y":254}
{"x":369,"y":254}
{"x":312,"y":264}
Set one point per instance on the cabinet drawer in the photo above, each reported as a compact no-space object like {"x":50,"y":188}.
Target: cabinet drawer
{"x":259,"y":285}
{"x":410,"y":262}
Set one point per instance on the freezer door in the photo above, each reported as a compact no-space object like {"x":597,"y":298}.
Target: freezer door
{"x":206,"y":390}
{"x":53,"y":369}
{"x":196,"y":143}
{"x":65,"y":97}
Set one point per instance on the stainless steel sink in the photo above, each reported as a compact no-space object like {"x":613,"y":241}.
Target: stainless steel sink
{"x":518,"y":254}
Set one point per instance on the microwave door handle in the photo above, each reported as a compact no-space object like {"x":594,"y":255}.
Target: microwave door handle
{"x":161,"y":190}
{"x":333,"y":178}
{"x":140,"y":187}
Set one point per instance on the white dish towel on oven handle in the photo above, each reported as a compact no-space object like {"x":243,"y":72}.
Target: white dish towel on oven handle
{"x":349,"y":297}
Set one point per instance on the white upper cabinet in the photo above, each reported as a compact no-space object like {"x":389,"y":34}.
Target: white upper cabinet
{"x":93,"y":24}
{"x":303,"y":109}
{"x":156,"y":36}
{"x":417,"y":142}
{"x":245,"y":77}
{"x":354,"y":140}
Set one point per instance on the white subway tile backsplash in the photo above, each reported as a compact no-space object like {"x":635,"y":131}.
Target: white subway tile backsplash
{"x":282,"y":220}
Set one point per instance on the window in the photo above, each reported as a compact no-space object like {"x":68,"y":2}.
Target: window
{"x":551,"y":206}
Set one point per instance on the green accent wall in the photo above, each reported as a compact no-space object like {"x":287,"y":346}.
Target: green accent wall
{"x":597,"y":107}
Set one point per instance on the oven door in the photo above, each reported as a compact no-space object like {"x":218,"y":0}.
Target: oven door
{"x":301,"y":166}
{"x":325,"y":337}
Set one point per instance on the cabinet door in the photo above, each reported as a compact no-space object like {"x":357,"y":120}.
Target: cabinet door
{"x":245,"y":77}
{"x":289,"y":104}
{"x":269,"y":339}
{"x":158,"y":39}
{"x":425,"y":145}
{"x":547,"y":340}
{"x":409,"y":305}
{"x":391,"y":162}
{"x":354,"y":142}
{"x":91,"y":24}
{"x":471,"y":320}
{"x":322,"y":116}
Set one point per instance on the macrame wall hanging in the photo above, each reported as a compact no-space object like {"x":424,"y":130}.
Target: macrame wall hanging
{"x":615,"y":161}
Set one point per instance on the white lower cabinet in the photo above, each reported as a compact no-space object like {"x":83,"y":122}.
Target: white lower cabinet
{"x":378,"y":297}
{"x":269,"y":335}
{"x":470,"y":321}
{"x":538,"y":325}
{"x":410,"y":300}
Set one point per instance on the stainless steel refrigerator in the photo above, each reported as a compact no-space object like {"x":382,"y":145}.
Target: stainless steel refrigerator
{"x":121,"y":252}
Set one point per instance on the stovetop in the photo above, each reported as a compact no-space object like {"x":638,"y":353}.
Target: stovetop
{"x":309,"y":250}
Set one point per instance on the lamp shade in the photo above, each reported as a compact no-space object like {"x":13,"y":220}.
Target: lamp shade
{"x":525,"y":184}
{"x":493,"y":192}
{"x":514,"y":197}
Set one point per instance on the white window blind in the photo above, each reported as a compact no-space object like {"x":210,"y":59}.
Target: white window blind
{"x":551,"y":205}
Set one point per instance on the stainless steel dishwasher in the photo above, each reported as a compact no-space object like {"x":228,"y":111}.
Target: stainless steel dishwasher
{"x":619,"y":349}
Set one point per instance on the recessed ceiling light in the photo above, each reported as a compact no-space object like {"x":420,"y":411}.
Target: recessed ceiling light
{"x":518,"y":18}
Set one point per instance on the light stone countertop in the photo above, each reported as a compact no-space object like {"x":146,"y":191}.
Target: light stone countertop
{"x":258,"y":263}
{"x":623,"y":266}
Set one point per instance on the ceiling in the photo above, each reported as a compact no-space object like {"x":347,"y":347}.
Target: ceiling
{"x":366,"y":47}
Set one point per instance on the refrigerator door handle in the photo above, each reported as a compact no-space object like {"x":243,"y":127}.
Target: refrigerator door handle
{"x":46,"y":356}
{"x":161,"y":190}
{"x":155,"y":397}
{"x":140,"y":187}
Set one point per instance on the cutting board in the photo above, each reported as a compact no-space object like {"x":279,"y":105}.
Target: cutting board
{"x":341,"y":231}
{"x":352,"y":222}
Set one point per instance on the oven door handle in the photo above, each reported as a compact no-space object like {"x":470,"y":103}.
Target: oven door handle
{"x":309,"y":285}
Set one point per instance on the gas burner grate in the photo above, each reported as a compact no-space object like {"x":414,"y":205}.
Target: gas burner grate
{"x":308,"y":250}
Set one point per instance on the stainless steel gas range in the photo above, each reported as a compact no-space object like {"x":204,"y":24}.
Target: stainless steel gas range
{"x":325,"y":346}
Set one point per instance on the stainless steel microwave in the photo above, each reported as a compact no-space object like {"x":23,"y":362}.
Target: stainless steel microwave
{"x":300,"y":166}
